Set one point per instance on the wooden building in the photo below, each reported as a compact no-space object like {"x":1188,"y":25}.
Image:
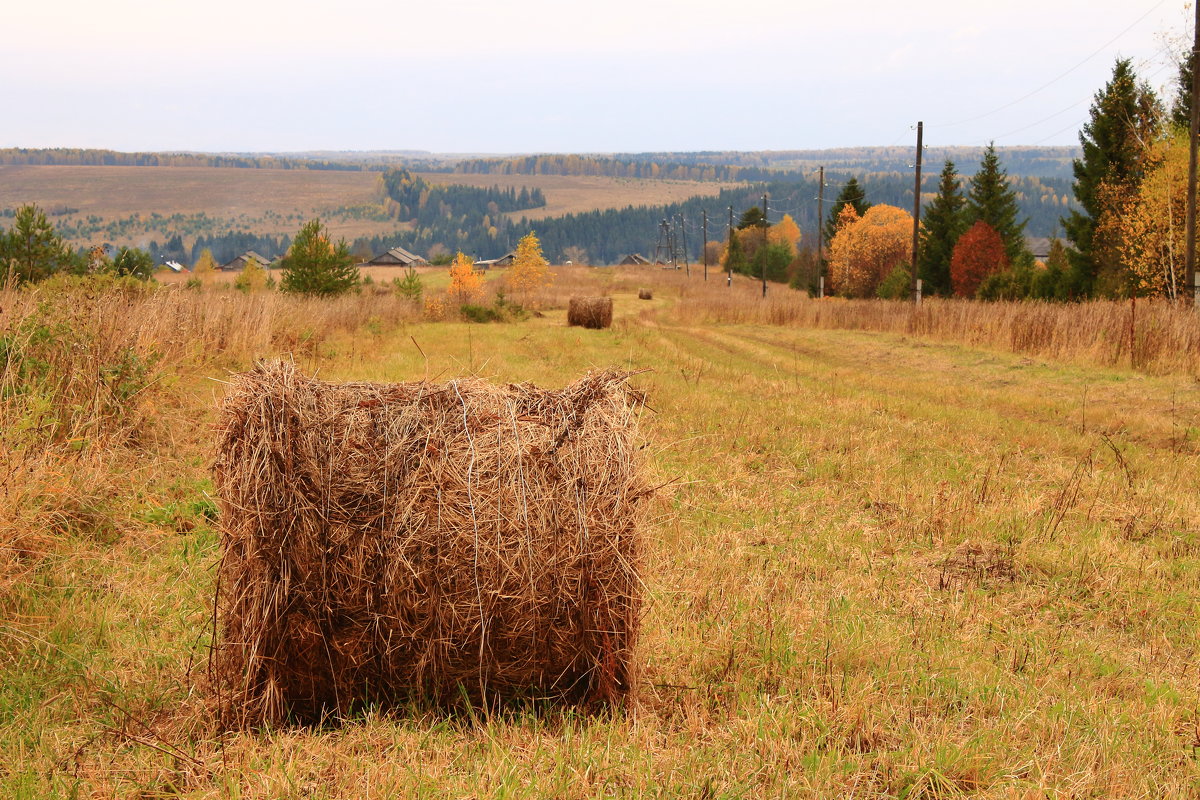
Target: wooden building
{"x":505,"y":260}
{"x":244,"y":259}
{"x":634,"y":260}
{"x":396,"y":257}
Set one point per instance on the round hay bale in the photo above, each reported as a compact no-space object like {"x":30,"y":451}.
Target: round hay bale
{"x":391,"y":542}
{"x":590,"y":312}
{"x":645,"y":294}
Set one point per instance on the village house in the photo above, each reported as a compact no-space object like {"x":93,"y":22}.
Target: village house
{"x":505,"y":260}
{"x":396,"y":257}
{"x":242,"y":261}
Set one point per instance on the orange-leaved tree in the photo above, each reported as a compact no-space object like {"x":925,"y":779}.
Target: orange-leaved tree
{"x":866,"y":249}
{"x":978,"y":253}
{"x":466,"y":284}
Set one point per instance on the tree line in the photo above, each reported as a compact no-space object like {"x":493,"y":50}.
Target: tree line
{"x":1125,"y":234}
{"x":91,"y":157}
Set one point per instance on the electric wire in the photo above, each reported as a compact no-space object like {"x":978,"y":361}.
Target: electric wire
{"x":1055,"y":80}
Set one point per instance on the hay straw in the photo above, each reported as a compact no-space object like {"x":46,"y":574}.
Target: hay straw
{"x":590,"y":312}
{"x":385,"y":543}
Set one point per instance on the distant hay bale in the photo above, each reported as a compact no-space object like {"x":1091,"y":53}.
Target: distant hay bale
{"x":590,"y":312}
{"x":391,"y":542}
{"x":645,"y":294}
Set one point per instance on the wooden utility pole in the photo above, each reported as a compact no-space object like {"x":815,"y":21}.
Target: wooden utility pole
{"x":683,"y":245}
{"x":917,"y":213}
{"x":821,"y":231}
{"x":1193,"y":134}
{"x":764,"y":244}
{"x":729,"y":244}
{"x":705,"y":226}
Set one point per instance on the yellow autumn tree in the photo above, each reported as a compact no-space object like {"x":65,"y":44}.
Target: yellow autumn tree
{"x":785,"y":232}
{"x":530,"y":270}
{"x":253,"y":278}
{"x":1149,"y":227}
{"x":205,"y":267}
{"x":466,"y":285}
{"x":865,"y":250}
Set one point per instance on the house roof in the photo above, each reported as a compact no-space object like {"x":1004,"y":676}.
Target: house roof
{"x":247,"y":256}
{"x":1038,"y":245}
{"x":399,"y":254}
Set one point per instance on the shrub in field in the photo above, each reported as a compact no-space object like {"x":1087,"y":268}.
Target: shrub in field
{"x":476,"y":313}
{"x":435,"y":308}
{"x":134,"y":263}
{"x":897,"y":285}
{"x":252,"y":279}
{"x":205,"y":267}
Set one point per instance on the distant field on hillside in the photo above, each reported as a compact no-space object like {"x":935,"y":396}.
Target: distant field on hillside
{"x":572,"y":194}
{"x":275,"y":202}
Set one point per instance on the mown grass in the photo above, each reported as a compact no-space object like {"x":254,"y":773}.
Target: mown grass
{"x":884,"y":565}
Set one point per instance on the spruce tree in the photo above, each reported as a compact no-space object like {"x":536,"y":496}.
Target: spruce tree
{"x":317,"y":266}
{"x":993,"y":201}
{"x":1123,"y":116}
{"x":943,"y":224}
{"x":851,"y":195}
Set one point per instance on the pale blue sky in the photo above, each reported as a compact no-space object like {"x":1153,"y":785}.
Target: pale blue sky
{"x":538,"y":76}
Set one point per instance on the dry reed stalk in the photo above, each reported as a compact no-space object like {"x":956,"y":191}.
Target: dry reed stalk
{"x":590,"y":312}
{"x":382,"y":543}
{"x":645,"y":294}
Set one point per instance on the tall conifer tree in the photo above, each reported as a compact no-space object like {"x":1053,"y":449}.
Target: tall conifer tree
{"x":993,"y":201}
{"x":943,"y":224}
{"x":1124,"y":116}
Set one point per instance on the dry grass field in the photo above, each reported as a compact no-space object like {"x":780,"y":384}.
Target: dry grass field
{"x":278,"y":201}
{"x":944,"y":555}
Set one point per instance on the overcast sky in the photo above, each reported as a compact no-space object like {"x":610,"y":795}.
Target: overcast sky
{"x":560,"y":76}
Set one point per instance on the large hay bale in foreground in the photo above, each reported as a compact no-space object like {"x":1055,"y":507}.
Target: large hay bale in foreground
{"x":590,"y":312}
{"x":645,"y":294}
{"x":385,"y":543}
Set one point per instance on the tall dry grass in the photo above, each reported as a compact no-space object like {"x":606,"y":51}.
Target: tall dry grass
{"x":87,"y":370}
{"x":1152,"y":336}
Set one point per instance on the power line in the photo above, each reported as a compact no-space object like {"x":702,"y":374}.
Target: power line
{"x":1055,"y":80}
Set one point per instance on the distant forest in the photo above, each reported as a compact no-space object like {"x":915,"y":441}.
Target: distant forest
{"x":480,"y":221}
{"x":468,"y":224}
{"x":724,"y":166}
{"x":608,"y":236}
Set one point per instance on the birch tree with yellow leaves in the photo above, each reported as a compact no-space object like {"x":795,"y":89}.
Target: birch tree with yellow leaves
{"x":530,"y":270}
